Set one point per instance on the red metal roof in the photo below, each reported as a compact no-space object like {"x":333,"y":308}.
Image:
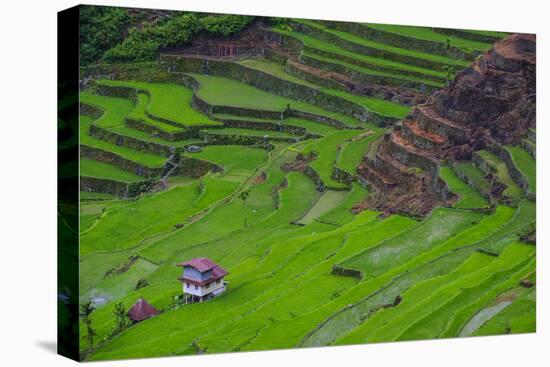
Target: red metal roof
{"x":202,"y":264}
{"x":142,"y":310}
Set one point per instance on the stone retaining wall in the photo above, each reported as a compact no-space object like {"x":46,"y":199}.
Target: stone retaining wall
{"x":315,"y":177}
{"x":529,"y":147}
{"x":470,"y":182}
{"x":298,"y":46}
{"x":194,"y":167}
{"x":275,"y":85}
{"x":261,"y":125}
{"x":89,"y":110}
{"x":116,"y":160}
{"x":365,"y":78}
{"x":402,"y":41}
{"x":342,"y":175}
{"x":212,"y":138}
{"x":409,"y":158}
{"x":156,"y":131}
{"x":341,"y":271}
{"x":417,"y":140}
{"x":518,"y":177}
{"x":371,"y":51}
{"x":467,"y":35}
{"x":117,"y":188}
{"x":130,"y":142}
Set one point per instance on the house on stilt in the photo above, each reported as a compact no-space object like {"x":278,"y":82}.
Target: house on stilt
{"x":202,"y":279}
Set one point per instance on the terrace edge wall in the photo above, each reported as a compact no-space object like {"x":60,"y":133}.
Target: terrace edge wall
{"x":68,"y":333}
{"x":272,"y":84}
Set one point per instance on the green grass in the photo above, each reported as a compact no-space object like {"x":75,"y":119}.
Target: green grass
{"x":377,"y":105}
{"x":429,"y":34}
{"x":428,"y":296}
{"x":234,"y":159}
{"x":125,"y":227}
{"x":115,"y":110}
{"x":398,"y":78}
{"x":441,"y":225}
{"x":139,"y":113}
{"x":526,"y":165}
{"x":146,"y":159}
{"x":281,"y":287}
{"x":519,"y":317}
{"x":326,"y":153}
{"x":343,"y":213}
{"x":328,"y":200}
{"x":353,"y":152}
{"x":323,"y":46}
{"x":383,"y":47}
{"x":440,"y":260}
{"x":85,"y":195}
{"x":468,"y":197}
{"x":91,"y":168}
{"x":228,"y":92}
{"x":474,"y":175}
{"x":250,"y":132}
{"x":512,"y":189}
{"x":168,"y":101}
{"x":311,"y":126}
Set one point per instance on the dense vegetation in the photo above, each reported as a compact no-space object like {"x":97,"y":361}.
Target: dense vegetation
{"x":308,"y":265}
{"x":113,"y":35}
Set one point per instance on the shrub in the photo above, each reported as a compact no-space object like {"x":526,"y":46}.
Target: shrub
{"x":144,"y":44}
{"x":101,"y":28}
{"x":225,"y":25}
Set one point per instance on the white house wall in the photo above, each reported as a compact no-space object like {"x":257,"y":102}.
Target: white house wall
{"x":202,"y":291}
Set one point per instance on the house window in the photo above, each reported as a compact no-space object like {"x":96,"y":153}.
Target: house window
{"x":218,"y":281}
{"x":196,"y":287}
{"x":207,"y":285}
{"x":187,"y":284}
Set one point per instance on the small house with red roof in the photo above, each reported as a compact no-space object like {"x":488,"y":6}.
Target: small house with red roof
{"x":141,"y":310}
{"x":202,"y":279}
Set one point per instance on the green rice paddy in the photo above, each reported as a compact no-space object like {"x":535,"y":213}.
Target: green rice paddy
{"x":308,"y":264}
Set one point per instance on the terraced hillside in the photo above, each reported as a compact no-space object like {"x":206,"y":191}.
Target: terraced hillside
{"x":316,"y":124}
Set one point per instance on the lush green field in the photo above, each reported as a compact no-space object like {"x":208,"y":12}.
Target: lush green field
{"x":146,"y":159}
{"x":229,"y":92}
{"x":512,"y":189}
{"x":526,"y":165}
{"x":381,"y":46}
{"x":309,"y":264}
{"x":365,"y":59}
{"x":378,"y":105}
{"x":353,"y":152}
{"x":168,"y":101}
{"x":429,"y":34}
{"x":326,"y":151}
{"x":98,"y":169}
{"x":250,"y":132}
{"x":468,"y":197}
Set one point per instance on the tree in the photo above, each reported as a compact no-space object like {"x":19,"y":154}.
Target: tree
{"x":244,"y":196}
{"x":86,"y":310}
{"x":121,"y":318}
{"x":449,"y":71}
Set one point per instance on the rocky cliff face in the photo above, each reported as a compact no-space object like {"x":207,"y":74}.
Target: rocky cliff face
{"x":491,"y":102}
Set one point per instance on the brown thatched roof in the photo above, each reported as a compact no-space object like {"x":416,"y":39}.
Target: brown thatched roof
{"x":142,"y":310}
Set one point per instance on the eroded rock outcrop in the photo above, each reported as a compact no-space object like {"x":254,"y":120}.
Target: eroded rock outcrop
{"x":491,"y":102}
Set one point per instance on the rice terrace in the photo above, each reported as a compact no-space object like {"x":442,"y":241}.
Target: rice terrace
{"x":253,"y":183}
